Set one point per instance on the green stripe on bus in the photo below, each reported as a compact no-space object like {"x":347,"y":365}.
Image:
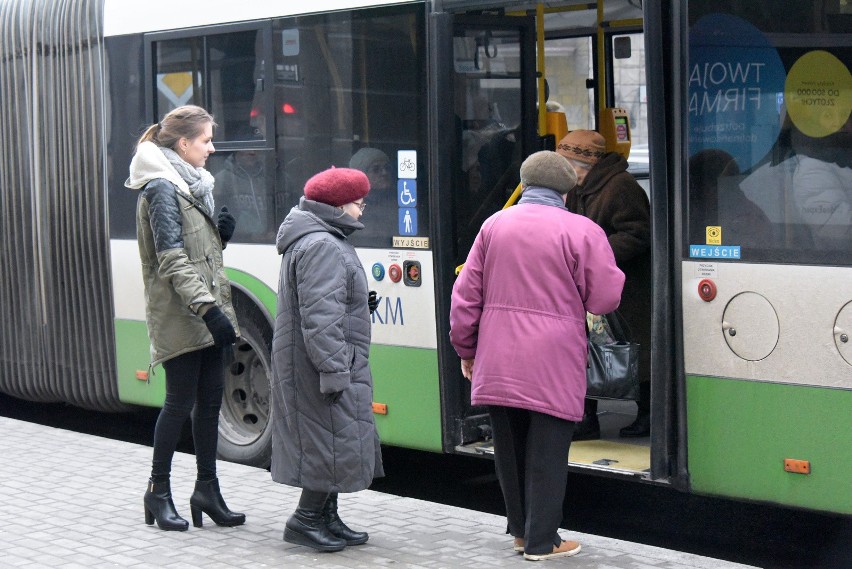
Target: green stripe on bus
{"x":404,"y":379}
{"x":255,"y":287}
{"x":133,"y":354}
{"x":740,"y":432}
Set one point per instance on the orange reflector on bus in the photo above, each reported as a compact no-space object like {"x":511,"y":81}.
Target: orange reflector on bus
{"x":141,"y":375}
{"x":380,"y":408}
{"x":797,"y":466}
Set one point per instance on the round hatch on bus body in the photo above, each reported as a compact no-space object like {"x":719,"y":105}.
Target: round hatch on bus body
{"x":750,"y":326}
{"x":843,"y":332}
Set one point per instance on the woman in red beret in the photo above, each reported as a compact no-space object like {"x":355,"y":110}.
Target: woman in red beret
{"x":324,"y":436}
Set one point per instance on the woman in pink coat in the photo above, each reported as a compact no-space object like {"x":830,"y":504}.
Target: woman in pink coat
{"x":519,"y":312}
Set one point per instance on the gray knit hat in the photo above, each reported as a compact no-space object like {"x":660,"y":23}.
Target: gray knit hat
{"x":547,"y":169}
{"x":364,"y":158}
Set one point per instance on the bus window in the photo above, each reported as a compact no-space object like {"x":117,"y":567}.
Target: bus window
{"x":244,"y":180}
{"x":568,"y":62}
{"x":179,"y":77}
{"x":488,"y":112}
{"x":769,"y":152}
{"x":221,"y":72}
{"x":235,"y":74}
{"x":629,"y":93}
{"x":350,"y":92}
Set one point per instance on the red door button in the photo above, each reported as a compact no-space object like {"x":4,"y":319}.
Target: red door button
{"x":707,"y":290}
{"x":395,"y":273}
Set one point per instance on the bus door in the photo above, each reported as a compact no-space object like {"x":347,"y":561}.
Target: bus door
{"x":593,"y":60}
{"x":483,"y":126}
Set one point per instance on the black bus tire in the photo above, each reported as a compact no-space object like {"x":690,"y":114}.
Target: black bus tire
{"x":245,"y":429}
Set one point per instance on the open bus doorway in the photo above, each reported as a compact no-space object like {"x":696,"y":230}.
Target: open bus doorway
{"x":574,"y":84}
{"x":488,"y":136}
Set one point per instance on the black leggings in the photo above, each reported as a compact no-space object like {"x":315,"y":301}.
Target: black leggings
{"x":194,"y":385}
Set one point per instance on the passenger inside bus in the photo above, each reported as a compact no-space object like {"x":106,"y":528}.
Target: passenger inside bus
{"x":381,"y":213}
{"x":490,"y":156}
{"x":803,"y":187}
{"x":822,"y":186}
{"x":714,"y":178}
{"x":607,"y":194}
{"x":241,"y":185}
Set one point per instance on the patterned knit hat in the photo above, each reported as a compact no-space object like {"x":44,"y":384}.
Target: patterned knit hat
{"x":337,"y":186}
{"x":582,"y":145}
{"x":547,"y":169}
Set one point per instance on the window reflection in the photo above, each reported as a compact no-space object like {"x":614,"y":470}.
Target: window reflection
{"x":235,"y":71}
{"x":792,"y":203}
{"x":179,"y":75}
{"x":244,"y":185}
{"x":488,"y":107}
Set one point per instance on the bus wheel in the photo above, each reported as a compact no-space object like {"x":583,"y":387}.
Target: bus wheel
{"x":245,"y":430}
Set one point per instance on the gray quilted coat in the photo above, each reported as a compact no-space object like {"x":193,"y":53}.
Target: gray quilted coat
{"x":321,"y":345}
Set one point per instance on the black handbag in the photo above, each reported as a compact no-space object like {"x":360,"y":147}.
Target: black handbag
{"x":613,"y":365}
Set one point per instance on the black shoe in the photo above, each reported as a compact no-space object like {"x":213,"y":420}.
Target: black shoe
{"x":588,"y":429}
{"x":641,"y":427}
{"x":160,"y":507}
{"x":308,"y":528}
{"x":307,"y":524}
{"x":208,"y":499}
{"x":336,"y":525}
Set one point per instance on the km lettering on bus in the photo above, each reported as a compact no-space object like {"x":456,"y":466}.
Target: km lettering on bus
{"x":388,"y":312}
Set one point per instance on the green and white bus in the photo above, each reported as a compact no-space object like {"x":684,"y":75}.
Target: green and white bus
{"x":751,"y":364}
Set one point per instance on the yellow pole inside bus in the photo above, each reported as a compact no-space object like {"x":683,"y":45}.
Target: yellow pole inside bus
{"x":539,"y":45}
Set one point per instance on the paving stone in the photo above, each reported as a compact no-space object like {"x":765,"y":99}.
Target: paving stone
{"x":77,"y":502}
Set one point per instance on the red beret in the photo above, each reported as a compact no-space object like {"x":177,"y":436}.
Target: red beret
{"x":337,"y":186}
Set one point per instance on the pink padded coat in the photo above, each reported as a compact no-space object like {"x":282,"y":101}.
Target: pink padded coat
{"x":519,"y":307}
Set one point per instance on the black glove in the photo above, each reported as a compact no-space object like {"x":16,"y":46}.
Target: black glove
{"x":333,"y":397}
{"x":220,"y":327}
{"x":226,"y":224}
{"x":372,"y":301}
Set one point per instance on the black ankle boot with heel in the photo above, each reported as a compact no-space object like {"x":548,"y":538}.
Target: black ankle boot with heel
{"x":336,"y":525}
{"x":307,"y":525}
{"x":208,"y":499}
{"x":160,"y":507}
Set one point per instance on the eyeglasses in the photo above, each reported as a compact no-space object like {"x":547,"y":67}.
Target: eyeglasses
{"x":360,"y":206}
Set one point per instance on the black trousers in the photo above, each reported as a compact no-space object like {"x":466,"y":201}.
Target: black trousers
{"x":194,"y":385}
{"x":531,"y":457}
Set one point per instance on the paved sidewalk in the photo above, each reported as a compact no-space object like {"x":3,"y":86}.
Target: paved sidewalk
{"x":75,"y":501}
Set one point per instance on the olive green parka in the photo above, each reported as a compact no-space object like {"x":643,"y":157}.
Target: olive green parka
{"x":181,"y":253}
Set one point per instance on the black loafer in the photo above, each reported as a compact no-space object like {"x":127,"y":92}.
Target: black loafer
{"x":638,"y":428}
{"x":587,"y":429}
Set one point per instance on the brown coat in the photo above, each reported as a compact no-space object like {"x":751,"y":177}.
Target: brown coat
{"x":611,"y":198}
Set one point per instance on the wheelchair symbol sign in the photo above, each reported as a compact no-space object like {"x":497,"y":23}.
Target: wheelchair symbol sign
{"x":406,"y":193}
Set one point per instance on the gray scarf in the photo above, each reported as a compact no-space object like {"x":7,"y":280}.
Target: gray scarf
{"x":542,"y":196}
{"x":199,"y":180}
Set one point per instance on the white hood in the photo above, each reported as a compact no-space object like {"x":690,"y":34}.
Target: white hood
{"x":149,"y":163}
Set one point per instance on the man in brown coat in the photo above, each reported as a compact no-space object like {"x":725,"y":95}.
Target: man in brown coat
{"x":608,"y":195}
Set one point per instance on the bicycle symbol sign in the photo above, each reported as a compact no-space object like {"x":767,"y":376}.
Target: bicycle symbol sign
{"x":406,"y":193}
{"x":406,"y":164}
